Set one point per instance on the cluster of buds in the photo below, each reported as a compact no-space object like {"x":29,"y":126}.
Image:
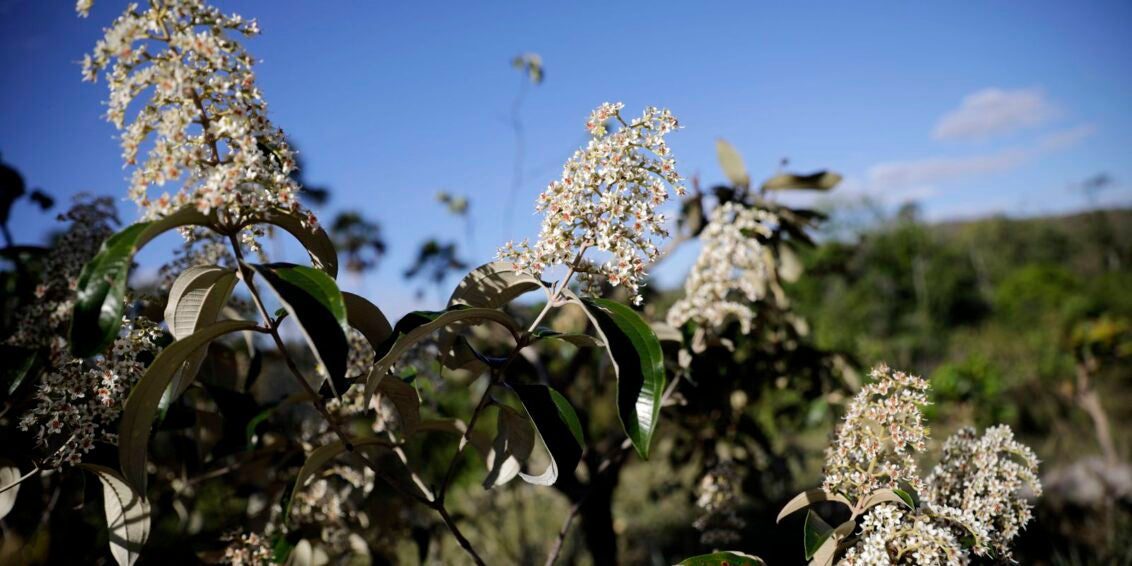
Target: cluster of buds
{"x":731,"y":272}
{"x":720,"y":494}
{"x":205,"y":120}
{"x":607,"y":200}
{"x":79,"y":402}
{"x":42,"y":322}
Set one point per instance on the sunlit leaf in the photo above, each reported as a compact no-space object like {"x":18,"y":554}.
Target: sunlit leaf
{"x":514,"y":441}
{"x":732,"y":163}
{"x":493,"y":285}
{"x":809,"y":497}
{"x":558,"y":427}
{"x":887,"y":496}
{"x":195,"y":300}
{"x":142,"y":404}
{"x":127,"y":515}
{"x":9,"y":483}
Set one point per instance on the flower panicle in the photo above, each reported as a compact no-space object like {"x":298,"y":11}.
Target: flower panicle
{"x":607,"y":199}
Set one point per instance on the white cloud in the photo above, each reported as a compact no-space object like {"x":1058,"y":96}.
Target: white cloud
{"x":918,"y":177}
{"x":990,"y":112}
{"x":926,"y":172}
{"x":1066,"y":139}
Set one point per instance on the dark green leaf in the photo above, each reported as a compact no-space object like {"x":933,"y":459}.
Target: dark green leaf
{"x":101,"y":291}
{"x":142,"y":404}
{"x":313,"y":299}
{"x":815,"y":532}
{"x":19,"y":363}
{"x":557,"y":426}
{"x":639,"y":364}
{"x":819,"y":181}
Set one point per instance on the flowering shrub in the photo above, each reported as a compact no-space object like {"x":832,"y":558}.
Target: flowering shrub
{"x":347,"y":453}
{"x":973,"y":503}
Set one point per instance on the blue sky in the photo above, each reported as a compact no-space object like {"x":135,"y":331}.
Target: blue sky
{"x":969,"y":108}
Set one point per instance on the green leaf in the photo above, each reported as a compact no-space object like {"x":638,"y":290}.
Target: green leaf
{"x":19,"y":363}
{"x":195,"y":300}
{"x":313,"y":238}
{"x":323,"y":454}
{"x":101,"y":291}
{"x":638,"y":362}
{"x":127,"y":515}
{"x":514,"y":441}
{"x":418,"y":325}
{"x":819,"y":181}
{"x":142,"y":404}
{"x":815,"y":533}
{"x":724,"y":558}
{"x":732,"y":163}
{"x":809,"y":497}
{"x":313,"y":299}
{"x":558,"y":427}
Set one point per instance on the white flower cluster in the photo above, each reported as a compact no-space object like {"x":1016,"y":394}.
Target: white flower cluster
{"x":78,"y":402}
{"x":983,"y":479}
{"x":893,"y":535}
{"x":973,"y":501}
{"x":719,"y":497}
{"x":248,"y":549}
{"x":883,"y":431}
{"x":731,"y":271}
{"x":607,"y":199}
{"x":208,"y":118}
{"x":42,"y":322}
